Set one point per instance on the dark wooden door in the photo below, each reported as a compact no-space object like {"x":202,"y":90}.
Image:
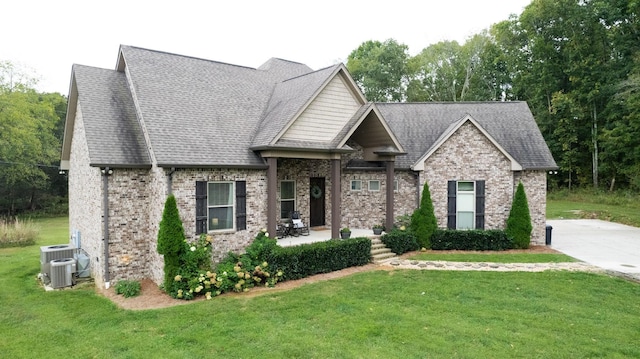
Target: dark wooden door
{"x":316,"y":205}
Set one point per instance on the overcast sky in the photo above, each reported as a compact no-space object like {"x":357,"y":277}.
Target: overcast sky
{"x":46,"y":37}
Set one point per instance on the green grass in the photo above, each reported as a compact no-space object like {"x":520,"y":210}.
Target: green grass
{"x":615,"y":207}
{"x":378,"y":314}
{"x":494,"y":257}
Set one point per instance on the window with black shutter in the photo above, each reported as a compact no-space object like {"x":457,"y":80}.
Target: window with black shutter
{"x":465,"y":204}
{"x":241,"y":205}
{"x":452,"y":187}
{"x":480,"y":204}
{"x":201,"y":207}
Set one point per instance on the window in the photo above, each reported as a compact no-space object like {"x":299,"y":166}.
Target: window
{"x":221,"y":206}
{"x":374,"y":185}
{"x":287,"y":198}
{"x":465,"y":204}
{"x":356,"y":185}
{"x":395,"y":185}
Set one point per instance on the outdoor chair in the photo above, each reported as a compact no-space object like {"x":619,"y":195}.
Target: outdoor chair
{"x":298,"y":226}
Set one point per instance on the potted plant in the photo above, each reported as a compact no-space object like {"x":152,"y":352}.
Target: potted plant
{"x":377,"y":229}
{"x":345,"y":233}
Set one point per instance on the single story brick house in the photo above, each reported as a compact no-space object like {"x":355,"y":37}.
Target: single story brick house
{"x":240,"y":147}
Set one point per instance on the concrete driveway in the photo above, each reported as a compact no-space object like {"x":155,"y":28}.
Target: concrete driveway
{"x":608,"y":245}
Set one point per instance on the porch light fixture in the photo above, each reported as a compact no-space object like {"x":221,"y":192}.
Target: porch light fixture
{"x":107,"y":171}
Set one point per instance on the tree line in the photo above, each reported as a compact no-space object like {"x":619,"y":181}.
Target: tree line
{"x":575,"y":62}
{"x":31,"y":130}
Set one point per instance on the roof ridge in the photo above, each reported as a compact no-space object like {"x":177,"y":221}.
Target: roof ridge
{"x":188,"y":57}
{"x":311,"y":73}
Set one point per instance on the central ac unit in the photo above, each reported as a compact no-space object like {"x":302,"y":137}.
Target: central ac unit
{"x":62,"y":272}
{"x":49,"y":253}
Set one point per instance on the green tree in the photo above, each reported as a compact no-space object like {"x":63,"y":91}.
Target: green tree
{"x":423,"y":219}
{"x":380,"y":69}
{"x":171,"y":241}
{"x":519,"y":222}
{"x":29,"y":145}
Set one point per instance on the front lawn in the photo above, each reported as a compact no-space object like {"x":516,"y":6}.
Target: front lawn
{"x":377,"y":314}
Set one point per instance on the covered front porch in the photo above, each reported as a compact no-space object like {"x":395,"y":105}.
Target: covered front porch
{"x":320,"y":235}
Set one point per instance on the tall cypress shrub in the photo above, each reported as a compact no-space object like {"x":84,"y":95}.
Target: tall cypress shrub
{"x":423,"y":219}
{"x":519,"y":222}
{"x":171,"y":241}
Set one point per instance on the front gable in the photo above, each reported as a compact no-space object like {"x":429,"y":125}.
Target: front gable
{"x":326,"y":115}
{"x":419,"y":165}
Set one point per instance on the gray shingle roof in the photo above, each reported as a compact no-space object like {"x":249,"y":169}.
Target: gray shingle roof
{"x":112,"y":129}
{"x":203,"y":113}
{"x":419,"y":125}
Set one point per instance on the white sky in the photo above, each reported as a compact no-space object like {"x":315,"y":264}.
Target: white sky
{"x":46,"y":37}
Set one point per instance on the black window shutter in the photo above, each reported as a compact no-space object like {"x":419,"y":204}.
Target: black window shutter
{"x":451,"y":205}
{"x":201,"y":207}
{"x":480,"y":204}
{"x":241,"y":205}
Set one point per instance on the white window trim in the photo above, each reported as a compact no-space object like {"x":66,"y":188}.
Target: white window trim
{"x":233,"y":208}
{"x":396,"y":185}
{"x":458,"y":192}
{"x":288,"y":199}
{"x":374,"y":190}
{"x":355,"y":181}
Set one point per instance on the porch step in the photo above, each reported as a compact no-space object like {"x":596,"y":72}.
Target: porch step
{"x":379,"y":252}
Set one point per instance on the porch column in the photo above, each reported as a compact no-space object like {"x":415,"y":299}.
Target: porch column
{"x":390,"y":198}
{"x":272,"y":192}
{"x":336,"y":198}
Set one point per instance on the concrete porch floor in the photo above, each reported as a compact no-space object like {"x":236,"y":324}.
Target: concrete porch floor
{"x":320,"y":235}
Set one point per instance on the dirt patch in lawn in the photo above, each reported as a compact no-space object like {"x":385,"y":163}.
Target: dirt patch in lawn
{"x":151,"y":297}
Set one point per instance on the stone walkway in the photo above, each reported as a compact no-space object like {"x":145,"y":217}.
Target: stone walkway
{"x":490,"y":266}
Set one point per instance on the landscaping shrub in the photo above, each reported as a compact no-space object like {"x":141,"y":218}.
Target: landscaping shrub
{"x":128,"y":288}
{"x":476,"y":240}
{"x":519,"y":222}
{"x":423,"y":220}
{"x":322,"y":257}
{"x":171,"y":241}
{"x":17,"y":233}
{"x":399,"y":241}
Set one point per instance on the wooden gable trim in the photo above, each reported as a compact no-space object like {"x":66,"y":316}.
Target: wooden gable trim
{"x":373,"y":108}
{"x":419,"y":164}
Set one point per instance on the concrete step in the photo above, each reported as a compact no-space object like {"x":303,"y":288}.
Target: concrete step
{"x":380,"y":251}
{"x":383,"y":257}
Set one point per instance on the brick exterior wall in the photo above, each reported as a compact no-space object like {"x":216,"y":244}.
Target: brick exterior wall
{"x":535,"y":186}
{"x":469,"y":156}
{"x":137,"y":197}
{"x":85,"y":199}
{"x":184,"y":189}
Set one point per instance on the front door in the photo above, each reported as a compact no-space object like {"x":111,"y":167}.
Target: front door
{"x":316,"y":205}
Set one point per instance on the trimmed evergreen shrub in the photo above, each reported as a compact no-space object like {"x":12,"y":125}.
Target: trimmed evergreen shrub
{"x":171,"y":241}
{"x":519,"y":222}
{"x":321,"y":257}
{"x":472,"y":240}
{"x":399,"y":241}
{"x":423,"y":220}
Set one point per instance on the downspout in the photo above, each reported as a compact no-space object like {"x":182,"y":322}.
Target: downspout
{"x":418,"y":188}
{"x":105,"y":215}
{"x":170,"y":180}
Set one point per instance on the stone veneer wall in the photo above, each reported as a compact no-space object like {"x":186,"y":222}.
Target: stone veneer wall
{"x":184,"y":189}
{"x":85,"y":199}
{"x":406,"y":198}
{"x":469,"y":156}
{"x":535,"y":186}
